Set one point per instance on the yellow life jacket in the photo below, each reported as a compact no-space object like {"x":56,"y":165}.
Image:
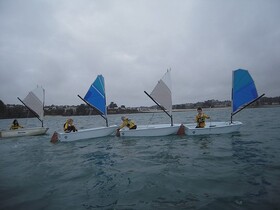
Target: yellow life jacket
{"x":14,"y":127}
{"x":200,"y":119}
{"x":128,"y":123}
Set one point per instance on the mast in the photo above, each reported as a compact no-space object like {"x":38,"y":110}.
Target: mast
{"x":232,"y":83}
{"x":105,"y":104}
{"x":43,"y":106}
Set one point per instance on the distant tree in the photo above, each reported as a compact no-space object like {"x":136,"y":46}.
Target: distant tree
{"x":2,"y":106}
{"x":17,"y":111}
{"x":270,"y":100}
{"x":69,"y":112}
{"x":2,"y":109}
{"x":180,"y":106}
{"x":82,"y":109}
{"x":59,"y":111}
{"x":113,"y":105}
{"x":207,"y":103}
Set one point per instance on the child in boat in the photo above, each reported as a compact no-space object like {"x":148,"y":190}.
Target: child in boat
{"x":128,"y":123}
{"x":69,"y":126}
{"x":15,"y":125}
{"x":200,"y":118}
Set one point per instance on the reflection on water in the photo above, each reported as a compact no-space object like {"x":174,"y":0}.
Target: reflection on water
{"x":204,"y":142}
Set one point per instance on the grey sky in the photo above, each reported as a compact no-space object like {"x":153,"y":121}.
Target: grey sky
{"x":63,"y":45}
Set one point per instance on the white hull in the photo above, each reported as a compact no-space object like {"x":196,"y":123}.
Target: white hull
{"x":84,"y":134}
{"x":151,"y":130}
{"x":212,"y":128}
{"x":23,"y":132}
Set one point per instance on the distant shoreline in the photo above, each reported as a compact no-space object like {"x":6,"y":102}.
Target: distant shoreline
{"x":156,"y":111}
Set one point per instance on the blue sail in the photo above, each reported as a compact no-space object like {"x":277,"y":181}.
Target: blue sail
{"x":96,"y":95}
{"x":243,"y":89}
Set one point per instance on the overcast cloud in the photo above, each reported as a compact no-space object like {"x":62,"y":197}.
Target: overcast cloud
{"x":63,"y":45}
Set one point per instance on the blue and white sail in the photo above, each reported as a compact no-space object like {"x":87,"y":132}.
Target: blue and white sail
{"x":96,"y":95}
{"x":96,"y":99}
{"x":244,"y":91}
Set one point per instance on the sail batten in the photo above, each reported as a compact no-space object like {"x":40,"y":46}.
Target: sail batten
{"x":96,"y":95}
{"x":243,"y":89}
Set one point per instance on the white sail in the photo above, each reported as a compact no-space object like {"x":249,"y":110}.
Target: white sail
{"x":162,"y":92}
{"x":34,"y":103}
{"x":162,"y":96}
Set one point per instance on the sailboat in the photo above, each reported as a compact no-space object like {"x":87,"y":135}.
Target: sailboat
{"x":162,"y":97}
{"x":96,"y":99}
{"x":34,"y":102}
{"x":244,"y":93}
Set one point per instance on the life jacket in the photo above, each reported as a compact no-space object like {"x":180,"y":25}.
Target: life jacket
{"x":200,"y":119}
{"x":68,"y":128}
{"x":128,"y":123}
{"x":65,"y":126}
{"x":14,"y":127}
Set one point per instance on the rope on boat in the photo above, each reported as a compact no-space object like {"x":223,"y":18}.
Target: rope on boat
{"x":150,"y":120}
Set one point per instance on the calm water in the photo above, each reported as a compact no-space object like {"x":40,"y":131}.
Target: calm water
{"x":234,"y":171}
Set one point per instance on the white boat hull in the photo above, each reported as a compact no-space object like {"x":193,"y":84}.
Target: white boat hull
{"x":84,"y":134}
{"x":151,"y":130}
{"x":23,"y":132}
{"x":212,"y":128}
